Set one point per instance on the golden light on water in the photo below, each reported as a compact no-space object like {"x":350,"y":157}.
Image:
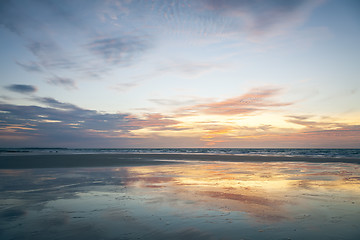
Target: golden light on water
{"x":266,"y":191}
{"x":278,"y":200}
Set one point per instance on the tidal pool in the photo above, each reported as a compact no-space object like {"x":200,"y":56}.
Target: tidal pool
{"x":192,"y":200}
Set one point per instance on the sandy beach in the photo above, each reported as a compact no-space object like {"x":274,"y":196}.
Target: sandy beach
{"x":107,"y":160}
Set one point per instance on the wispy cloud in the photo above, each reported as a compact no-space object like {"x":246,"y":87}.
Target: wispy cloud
{"x":174,"y":102}
{"x":120,"y":50}
{"x":51,"y":55}
{"x":233,"y":18}
{"x":51,"y":102}
{"x":22,"y":88}
{"x":254,"y":101}
{"x":183,"y":68}
{"x":41,"y":48}
{"x":64,"y":82}
{"x":151,"y":120}
{"x":311,"y":125}
{"x":92,"y":60}
{"x":190,"y":69}
{"x":124,"y":86}
{"x":262,"y":18}
{"x":30,"y":66}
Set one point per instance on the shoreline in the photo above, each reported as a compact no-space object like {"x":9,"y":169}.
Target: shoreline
{"x":142,"y":159}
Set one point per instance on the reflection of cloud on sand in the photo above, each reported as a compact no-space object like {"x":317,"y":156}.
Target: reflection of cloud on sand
{"x":261,"y":207}
{"x":265,"y":191}
{"x":222,"y":199}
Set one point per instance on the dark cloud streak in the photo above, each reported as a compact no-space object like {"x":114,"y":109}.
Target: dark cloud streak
{"x":21,"y":88}
{"x":56,"y":104}
{"x":58,"y":122}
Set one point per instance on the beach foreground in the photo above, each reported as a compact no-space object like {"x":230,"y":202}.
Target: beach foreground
{"x":173,"y":196}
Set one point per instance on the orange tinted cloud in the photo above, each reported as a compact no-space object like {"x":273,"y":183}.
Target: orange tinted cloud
{"x":254,"y":101}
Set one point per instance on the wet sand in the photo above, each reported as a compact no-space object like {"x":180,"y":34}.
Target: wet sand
{"x":189,"y":200}
{"x":109,"y":160}
{"x":178,"y":196}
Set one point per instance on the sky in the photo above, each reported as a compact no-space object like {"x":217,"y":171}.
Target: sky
{"x":205,"y":73}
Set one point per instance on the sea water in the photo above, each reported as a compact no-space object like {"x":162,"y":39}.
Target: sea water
{"x":286,"y":152}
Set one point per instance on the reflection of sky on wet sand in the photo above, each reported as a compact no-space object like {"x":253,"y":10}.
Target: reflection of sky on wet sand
{"x":273,"y":200}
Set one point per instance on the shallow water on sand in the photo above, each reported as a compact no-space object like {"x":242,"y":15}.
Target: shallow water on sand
{"x":195,"y":200}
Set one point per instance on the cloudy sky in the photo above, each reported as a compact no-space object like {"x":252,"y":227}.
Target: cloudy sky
{"x":168,"y":73}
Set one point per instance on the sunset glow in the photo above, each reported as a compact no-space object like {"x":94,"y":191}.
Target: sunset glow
{"x":180,"y":74}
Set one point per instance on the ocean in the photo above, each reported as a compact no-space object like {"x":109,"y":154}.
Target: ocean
{"x":285,"y":152}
